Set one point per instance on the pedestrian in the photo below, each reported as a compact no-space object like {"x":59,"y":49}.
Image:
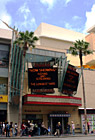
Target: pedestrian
{"x":58,"y":129}
{"x":31,"y":128}
{"x":11,"y":129}
{"x":7,"y":129}
{"x":23,"y":126}
{"x":16,"y":129}
{"x":28,"y":128}
{"x":68,"y":128}
{"x":39,"y":129}
{"x":88,"y":126}
{"x":44,"y":129}
{"x":84,"y":128}
{"x":73,"y":127}
{"x":1,"y":128}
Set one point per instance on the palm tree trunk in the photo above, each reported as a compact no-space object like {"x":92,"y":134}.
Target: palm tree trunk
{"x":84,"y":98}
{"x":20,"y":100}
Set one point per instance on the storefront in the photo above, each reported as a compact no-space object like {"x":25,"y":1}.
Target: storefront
{"x":3,"y":108}
{"x":51,"y":109}
{"x":90,"y":119}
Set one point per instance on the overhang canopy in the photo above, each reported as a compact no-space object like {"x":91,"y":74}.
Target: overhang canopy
{"x":51,"y":100}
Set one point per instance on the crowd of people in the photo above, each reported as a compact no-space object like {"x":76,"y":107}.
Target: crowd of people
{"x":27,"y":129}
{"x":31,"y":129}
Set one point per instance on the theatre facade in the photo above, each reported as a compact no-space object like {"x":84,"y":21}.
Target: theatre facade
{"x":51,"y":82}
{"x":49,"y":99}
{"x":52,"y":89}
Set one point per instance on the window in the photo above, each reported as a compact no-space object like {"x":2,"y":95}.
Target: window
{"x":4,"y":58}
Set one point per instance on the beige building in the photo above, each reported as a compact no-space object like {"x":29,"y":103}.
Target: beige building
{"x":52,"y":38}
{"x":54,"y":43}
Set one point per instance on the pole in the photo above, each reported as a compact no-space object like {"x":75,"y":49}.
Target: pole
{"x":84,"y":99}
{"x":20,"y":99}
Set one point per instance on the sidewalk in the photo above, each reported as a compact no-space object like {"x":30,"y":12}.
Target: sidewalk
{"x":47,"y":136}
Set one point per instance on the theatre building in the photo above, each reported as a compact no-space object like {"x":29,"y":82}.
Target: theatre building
{"x":52,"y":89}
{"x":54,"y":101}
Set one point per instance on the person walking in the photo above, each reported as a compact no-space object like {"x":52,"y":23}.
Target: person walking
{"x":73,"y":127}
{"x":44,"y":129}
{"x":11,"y":129}
{"x":3,"y":129}
{"x":16,"y":129}
{"x":7,"y":129}
{"x":58,"y":129}
{"x":23,"y":126}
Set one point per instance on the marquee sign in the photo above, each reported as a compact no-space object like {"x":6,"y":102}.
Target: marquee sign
{"x":71,"y":80}
{"x":43,"y":78}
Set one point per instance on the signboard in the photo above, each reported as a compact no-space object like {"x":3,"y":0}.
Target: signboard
{"x":41,"y":64}
{"x":3,"y":98}
{"x":91,"y":120}
{"x":60,"y":115}
{"x":70,"y":81}
{"x":43,"y":78}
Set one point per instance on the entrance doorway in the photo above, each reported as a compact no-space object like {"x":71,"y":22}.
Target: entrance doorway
{"x":62,"y":118}
{"x":63,"y":121}
{"x":3,"y":115}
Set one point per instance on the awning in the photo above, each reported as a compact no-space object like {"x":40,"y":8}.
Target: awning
{"x":54,"y":100}
{"x":87,"y":66}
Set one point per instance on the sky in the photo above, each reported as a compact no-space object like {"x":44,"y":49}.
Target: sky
{"x":76,"y":15}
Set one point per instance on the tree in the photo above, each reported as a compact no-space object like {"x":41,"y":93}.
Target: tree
{"x":24,"y":40}
{"x":81,"y":48}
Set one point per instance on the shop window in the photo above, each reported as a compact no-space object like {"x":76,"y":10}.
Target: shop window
{"x":2,"y":89}
{"x":4,"y":58}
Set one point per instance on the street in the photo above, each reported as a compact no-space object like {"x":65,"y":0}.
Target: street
{"x":90,"y":137}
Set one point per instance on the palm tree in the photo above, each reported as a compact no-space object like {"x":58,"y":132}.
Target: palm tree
{"x":81,"y":48}
{"x":24,"y":40}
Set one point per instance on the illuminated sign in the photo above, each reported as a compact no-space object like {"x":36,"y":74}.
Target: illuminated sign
{"x":43,"y":90}
{"x":43,"y":78}
{"x":71,"y":80}
{"x":3,"y":98}
{"x":41,"y":64}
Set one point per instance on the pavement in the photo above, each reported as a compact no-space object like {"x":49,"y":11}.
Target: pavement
{"x":47,"y":136}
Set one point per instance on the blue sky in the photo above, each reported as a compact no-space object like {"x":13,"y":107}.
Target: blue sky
{"x":77,"y":15}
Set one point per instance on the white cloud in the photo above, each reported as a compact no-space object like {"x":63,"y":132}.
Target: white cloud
{"x":76,"y":18}
{"x":50,"y":3}
{"x":90,"y":18}
{"x":4,"y":14}
{"x":70,"y":27}
{"x":24,"y":10}
{"x":26,"y":20}
{"x":66,"y":2}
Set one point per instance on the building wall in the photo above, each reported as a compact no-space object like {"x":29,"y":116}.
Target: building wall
{"x":91,"y":39}
{"x":54,"y":43}
{"x":13,"y":113}
{"x":51,"y":31}
{"x":89,"y":89}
